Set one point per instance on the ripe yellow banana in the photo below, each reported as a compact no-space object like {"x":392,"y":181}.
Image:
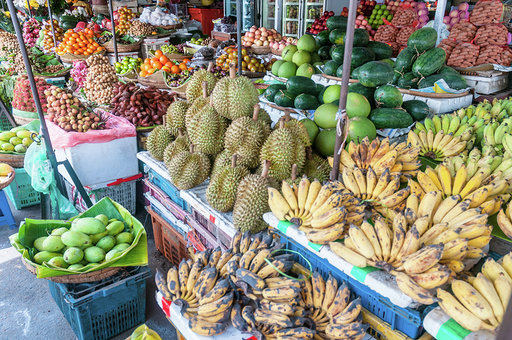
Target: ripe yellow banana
{"x":492,"y":270}
{"x":314,"y":189}
{"x":278,"y":204}
{"x":480,"y":241}
{"x":290,"y":197}
{"x":349,"y":314}
{"x":455,"y":249}
{"x":384,"y":234}
{"x":421,"y":224}
{"x":348,"y":255}
{"x":413,"y":290}
{"x":507,"y":263}
{"x":473,"y":301}
{"x":416,"y":189}
{"x":445,"y":177}
{"x":331,"y":288}
{"x":485,"y":287}
{"x":411,"y":243}
{"x":360,"y":180}
{"x":504,"y":289}
{"x":459,"y":180}
{"x":369,"y":232}
{"x":340,"y":300}
{"x":459,"y":313}
{"x":444,"y":207}
{"x":429,"y":203}
{"x":302,"y":194}
{"x":382,"y":183}
{"x":329,"y":218}
{"x":426,"y":182}
{"x":430,"y":280}
{"x":349,"y":181}
{"x":371,"y":181}
{"x":423,"y":259}
{"x":456,"y":211}
{"x":504,"y":222}
{"x":361,"y":242}
{"x":326,"y":235}
{"x":318,"y":284}
{"x":472,"y":184}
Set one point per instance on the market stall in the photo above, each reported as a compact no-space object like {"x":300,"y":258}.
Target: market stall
{"x":329,"y":176}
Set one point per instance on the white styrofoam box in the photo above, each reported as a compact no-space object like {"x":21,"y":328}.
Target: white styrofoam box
{"x":112,"y":59}
{"x":437,"y":320}
{"x":442,"y":105}
{"x":97,"y":164}
{"x":486,"y":85}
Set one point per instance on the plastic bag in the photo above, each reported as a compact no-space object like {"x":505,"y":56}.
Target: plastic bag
{"x":116,"y":127}
{"x":42,"y":175}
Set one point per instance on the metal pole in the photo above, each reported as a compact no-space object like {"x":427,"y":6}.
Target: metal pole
{"x":239,"y":20}
{"x":111,"y":10}
{"x":342,"y":126}
{"x":29,"y":8}
{"x":438,"y":19}
{"x":51,"y":25}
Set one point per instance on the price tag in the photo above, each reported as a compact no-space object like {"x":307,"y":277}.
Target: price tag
{"x":166,"y":307}
{"x":212,"y":219}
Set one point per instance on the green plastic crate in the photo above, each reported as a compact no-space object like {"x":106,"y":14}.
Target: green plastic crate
{"x":20,"y":191}
{"x":4,"y":123}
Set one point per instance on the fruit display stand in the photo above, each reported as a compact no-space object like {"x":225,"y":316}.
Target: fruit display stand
{"x":438,"y":324}
{"x":487,"y":82}
{"x":378,"y":289}
{"x":437,"y":103}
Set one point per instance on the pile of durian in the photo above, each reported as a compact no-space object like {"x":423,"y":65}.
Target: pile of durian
{"x":221,"y":133}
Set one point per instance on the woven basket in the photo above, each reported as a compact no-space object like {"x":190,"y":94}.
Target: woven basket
{"x":68,"y":58}
{"x":259,"y":49}
{"x":180,"y":90}
{"x":62,"y":73}
{"x":250,"y":74}
{"x":157,"y":80}
{"x":177,"y":56}
{"x":276,"y":52}
{"x":16,"y":161}
{"x":8,"y":180}
{"x":77,"y":278}
{"x":109,"y":47}
{"x":22,"y":120}
{"x":171,"y":27}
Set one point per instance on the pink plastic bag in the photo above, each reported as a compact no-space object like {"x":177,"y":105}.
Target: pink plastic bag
{"x":116,"y":127}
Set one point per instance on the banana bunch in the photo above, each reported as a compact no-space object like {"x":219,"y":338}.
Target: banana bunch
{"x":380,"y":155}
{"x":505,"y":220}
{"x":480,"y":302}
{"x":320,"y":211}
{"x":437,"y":145}
{"x":494,"y":136}
{"x":328,"y":305}
{"x":488,"y":192}
{"x":451,"y":124}
{"x":379,"y":193}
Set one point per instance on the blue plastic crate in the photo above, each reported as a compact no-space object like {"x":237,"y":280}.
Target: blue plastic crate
{"x":103,"y":309}
{"x":407,"y":320}
{"x":169,"y":189}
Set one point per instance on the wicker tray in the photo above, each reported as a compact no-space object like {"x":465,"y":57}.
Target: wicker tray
{"x":16,"y":161}
{"x":109,"y":47}
{"x":77,"y":278}
{"x":22,"y":120}
{"x":170,"y":27}
{"x":250,"y":74}
{"x":433,"y":95}
{"x":62,"y":73}
{"x":178,"y":56}
{"x":157,"y":80}
{"x":259,"y":49}
{"x":180,"y":90}
{"x":8,"y":180}
{"x":276,"y":52}
{"x":338,"y":78}
{"x":68,"y":58}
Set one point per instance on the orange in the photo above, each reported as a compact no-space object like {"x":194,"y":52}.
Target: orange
{"x":158,"y":53}
{"x":166,"y":69}
{"x":186,"y":61}
{"x":169,"y":64}
{"x":175,"y":69}
{"x":157,"y":64}
{"x":163,"y":59}
{"x":147,"y":60}
{"x":143,"y":73}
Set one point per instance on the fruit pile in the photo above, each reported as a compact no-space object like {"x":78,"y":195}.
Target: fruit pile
{"x":230,"y":56}
{"x":173,"y":48}
{"x":138,"y":29}
{"x":128,"y":64}
{"x":79,"y":43}
{"x":379,"y":14}
{"x":160,"y":62}
{"x":31,"y":29}
{"x":319,"y":24}
{"x":48,"y":36}
{"x":299,"y":59}
{"x":87,"y":243}
{"x":69,"y":113}
{"x":22,"y":94}
{"x":260,"y":36}
{"x":123,"y":17}
{"x":258,"y":301}
{"x":17,"y":139}
{"x":100,"y":79}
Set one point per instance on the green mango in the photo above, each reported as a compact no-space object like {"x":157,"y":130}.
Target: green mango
{"x":53,"y":243}
{"x":59,"y":231}
{"x":88,"y":225}
{"x":124,"y":237}
{"x":115,"y":228}
{"x":103,"y":218}
{"x":58,"y":261}
{"x":121,"y":246}
{"x":38,"y":243}
{"x":96,"y":237}
{"x":44,"y":256}
{"x":111,"y":254}
{"x":76,"y":266}
{"x":73,"y":255}
{"x":94,"y":254}
{"x":73,"y":238}
{"x":106,"y":243}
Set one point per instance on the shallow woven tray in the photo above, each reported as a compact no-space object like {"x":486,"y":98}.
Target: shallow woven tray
{"x":77,"y":278}
{"x":16,"y":161}
{"x":276,"y":52}
{"x":250,"y":74}
{"x":259,"y":49}
{"x":9,"y":180}
{"x":22,"y":120}
{"x":68,"y":58}
{"x":170,"y":27}
{"x":433,"y":95}
{"x":339,"y":79}
{"x":109,"y":46}
{"x":156,"y":80}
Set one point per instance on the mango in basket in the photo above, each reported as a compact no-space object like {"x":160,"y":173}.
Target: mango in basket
{"x":5,"y":170}
{"x":144,"y":332}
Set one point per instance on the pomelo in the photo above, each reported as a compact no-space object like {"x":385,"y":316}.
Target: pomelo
{"x":288,"y":52}
{"x":357,"y":105}
{"x":324,"y":142}
{"x":287,"y":69}
{"x":305,"y":70}
{"x":311,"y":127}
{"x":276,"y":66}
{"x":306,"y":43}
{"x":325,"y":116}
{"x":301,"y":57}
{"x":359,"y":128}
{"x":332,"y":93}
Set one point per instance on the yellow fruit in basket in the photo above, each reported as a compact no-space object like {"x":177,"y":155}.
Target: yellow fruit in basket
{"x":15,"y":140}
{"x":6,"y":135}
{"x":5,"y":169}
{"x":23,"y":134}
{"x":124,"y":237}
{"x":27,"y":141}
{"x":7,"y":147}
{"x":20,"y":148}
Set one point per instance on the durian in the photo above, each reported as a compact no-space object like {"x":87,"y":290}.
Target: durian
{"x":252,"y":202}
{"x":221,"y":192}
{"x":157,"y":141}
{"x":245,"y":137}
{"x":206,"y":131}
{"x":197,"y":106}
{"x":234,"y":97}
{"x":188,"y":169}
{"x":283,"y":149}
{"x":297,"y":128}
{"x":180,"y":144}
{"x":195,"y":84}
{"x":222,"y":159}
{"x":175,"y":117}
{"x":263,"y":116}
{"x":316,"y":167}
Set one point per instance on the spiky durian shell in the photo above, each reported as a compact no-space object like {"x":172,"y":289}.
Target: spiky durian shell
{"x":195,"y":84}
{"x":180,"y":144}
{"x":263,"y":116}
{"x":157,"y":141}
{"x":245,"y":138}
{"x":299,"y":130}
{"x":222,"y":159}
{"x":206,"y":131}
{"x":195,"y":108}
{"x":221,"y":192}
{"x":317,"y":167}
{"x":251,"y":203}
{"x":235,"y":97}
{"x":283,"y":150}
{"x":188,"y":169}
{"x":175,"y":117}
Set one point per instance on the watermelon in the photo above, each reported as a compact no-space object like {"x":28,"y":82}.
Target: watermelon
{"x":336,"y":22}
{"x":331,"y":67}
{"x":429,"y":62}
{"x":381,"y":50}
{"x":361,"y":55}
{"x":375,"y":73}
{"x":361,"y":37}
{"x":323,"y":38}
{"x":423,"y":39}
{"x":388,"y":96}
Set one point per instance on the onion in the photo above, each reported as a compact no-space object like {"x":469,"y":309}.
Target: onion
{"x":358,"y":22}
{"x":422,"y":12}
{"x":424,"y":18}
{"x":446,"y":20}
{"x":454,"y":21}
{"x":463,"y":6}
{"x":454,"y":13}
{"x":462,"y":15}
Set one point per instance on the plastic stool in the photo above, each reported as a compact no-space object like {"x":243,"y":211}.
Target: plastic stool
{"x":6,"y":217}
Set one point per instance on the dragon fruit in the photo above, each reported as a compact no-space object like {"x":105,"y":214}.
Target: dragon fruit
{"x":22,"y":94}
{"x":31,"y":30}
{"x":79,"y":72}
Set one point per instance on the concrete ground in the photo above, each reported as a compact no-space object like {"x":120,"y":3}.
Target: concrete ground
{"x":28,"y":311}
